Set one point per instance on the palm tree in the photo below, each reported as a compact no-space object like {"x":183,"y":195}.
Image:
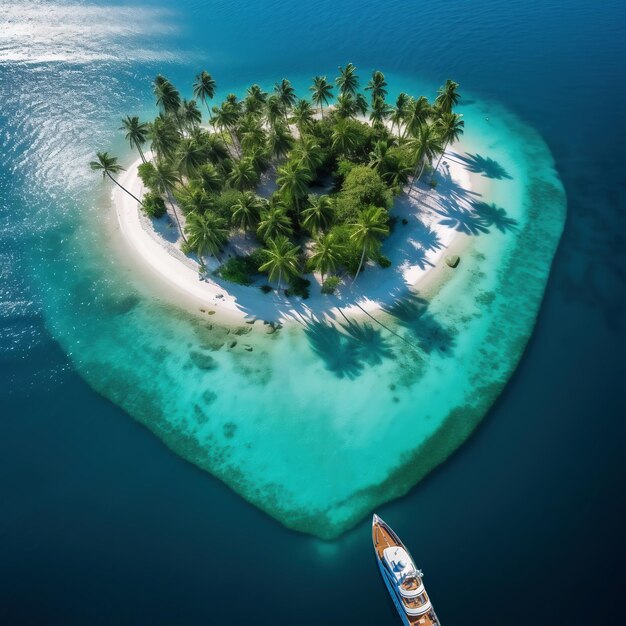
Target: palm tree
{"x":322,"y":91}
{"x":189,"y":115}
{"x":346,"y":106}
{"x":247,"y":210}
{"x":167,"y":96}
{"x":327,"y":255}
{"x":302,"y":117}
{"x":207,"y":234}
{"x":164,"y":137}
{"x":425,"y":147}
{"x":210,"y":179}
{"x":279,"y":141}
{"x":417,"y":113}
{"x":399,"y":112}
{"x":255,"y":100}
{"x":447,"y":96}
{"x":243,"y":175}
{"x":274,"y":222}
{"x":225,"y":118}
{"x":380,"y":112}
{"x":204,"y":89}
{"x":309,"y":153}
{"x":166,"y":179}
{"x":282,"y":259}
{"x":136,"y":133}
{"x":450,"y":128}
{"x":344,"y":136}
{"x":286,"y":94}
{"x":367,"y":231}
{"x":388,"y":165}
{"x":293,"y":182}
{"x":108,"y":165}
{"x":347,"y":81}
{"x":376,"y":85}
{"x":274,"y":110}
{"x":319,"y":214}
{"x":195,"y":200}
{"x":251,"y":133}
{"x":360,"y":104}
{"x":190,"y":157}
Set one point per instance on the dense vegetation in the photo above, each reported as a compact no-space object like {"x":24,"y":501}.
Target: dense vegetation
{"x":211,"y":176}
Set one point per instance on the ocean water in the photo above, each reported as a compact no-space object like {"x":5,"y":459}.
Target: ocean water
{"x":102,"y":524}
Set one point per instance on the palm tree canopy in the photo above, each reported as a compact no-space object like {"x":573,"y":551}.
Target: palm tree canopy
{"x":293,"y":180}
{"x":274,"y":109}
{"x":164,"y":136}
{"x":247,"y":210}
{"x":243,"y":175}
{"x":136,"y":131}
{"x":190,"y":156}
{"x":347,"y":81}
{"x":106,"y":164}
{"x":417,"y":113}
{"x":167,"y":96}
{"x":327,"y":254}
{"x":321,"y":91}
{"x":450,"y":127}
{"x":282,"y":259}
{"x":370,"y":226}
{"x":319,"y":214}
{"x":210,"y":179}
{"x":377,"y":85}
{"x":380,"y":112}
{"x":345,"y":135}
{"x":302,"y":116}
{"x":204,"y":87}
{"x":166,"y":176}
{"x":447,"y":96}
{"x":427,"y":144}
{"x":280,"y":140}
{"x":274,"y":222}
{"x":207,"y":232}
{"x":189,"y":114}
{"x":286,"y":93}
{"x":309,"y":153}
{"x":251,"y":133}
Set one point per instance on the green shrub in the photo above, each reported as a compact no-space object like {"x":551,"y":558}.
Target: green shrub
{"x":256,"y":258}
{"x":147,"y":173}
{"x":224,"y":203}
{"x":330,"y":284}
{"x":239,"y":269}
{"x":298,"y":286}
{"x":365,"y":185}
{"x":153,"y":205}
{"x":351,"y":255}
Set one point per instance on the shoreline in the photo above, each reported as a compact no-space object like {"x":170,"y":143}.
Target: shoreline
{"x":417,"y":251}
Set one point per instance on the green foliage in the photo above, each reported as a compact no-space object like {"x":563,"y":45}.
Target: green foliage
{"x":224,"y":203}
{"x":239,"y":269}
{"x":298,"y":286}
{"x":148,"y":175}
{"x":362,"y":187}
{"x":153,"y":205}
{"x":350,"y":251}
{"x":330,"y":284}
{"x":384,"y":261}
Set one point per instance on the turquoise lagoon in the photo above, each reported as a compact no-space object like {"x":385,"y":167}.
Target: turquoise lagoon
{"x":322,"y":422}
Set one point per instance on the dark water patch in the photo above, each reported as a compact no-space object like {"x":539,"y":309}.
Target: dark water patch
{"x":202,"y":360}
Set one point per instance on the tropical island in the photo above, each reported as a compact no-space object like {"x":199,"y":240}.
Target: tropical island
{"x":277,"y":190}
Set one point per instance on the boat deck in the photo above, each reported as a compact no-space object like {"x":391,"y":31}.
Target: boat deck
{"x":382,"y":539}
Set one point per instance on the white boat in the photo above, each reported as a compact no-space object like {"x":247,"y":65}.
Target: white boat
{"x":402,"y":578}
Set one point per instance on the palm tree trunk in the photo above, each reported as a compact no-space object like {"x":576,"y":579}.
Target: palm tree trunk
{"x":180,"y":228}
{"x":141,"y":154}
{"x":359,"y":268}
{"x":280,"y":279}
{"x":124,"y":188}
{"x":416,"y":177}
{"x":441,"y":157}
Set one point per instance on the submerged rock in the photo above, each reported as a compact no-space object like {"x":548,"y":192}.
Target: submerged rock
{"x":452,"y":260}
{"x":203,"y":361}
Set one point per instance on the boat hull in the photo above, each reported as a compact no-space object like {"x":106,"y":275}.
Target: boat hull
{"x":392,"y":593}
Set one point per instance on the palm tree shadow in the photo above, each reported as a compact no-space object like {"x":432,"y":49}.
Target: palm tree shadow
{"x":486,"y":166}
{"x":462,"y":219}
{"x":411,"y":312}
{"x":494,"y":216}
{"x":347,"y":349}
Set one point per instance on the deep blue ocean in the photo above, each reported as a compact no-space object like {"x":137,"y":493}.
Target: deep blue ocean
{"x":101,"y":524}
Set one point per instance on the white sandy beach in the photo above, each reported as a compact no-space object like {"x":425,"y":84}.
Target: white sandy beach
{"x":417,"y":251}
